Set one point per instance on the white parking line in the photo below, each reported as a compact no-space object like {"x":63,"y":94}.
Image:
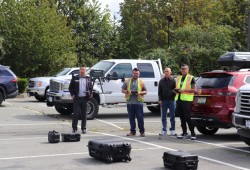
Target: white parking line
{"x":40,"y":156}
{"x":109,"y":124}
{"x":222,"y":146}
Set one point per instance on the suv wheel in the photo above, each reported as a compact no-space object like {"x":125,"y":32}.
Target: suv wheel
{"x":246,"y":140}
{"x":64,"y":109}
{"x":207,"y":130}
{"x":1,"y":98}
{"x":92,"y":109}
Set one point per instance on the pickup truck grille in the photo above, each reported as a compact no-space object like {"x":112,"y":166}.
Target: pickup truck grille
{"x":55,"y":86}
{"x":244,"y":98}
{"x":31,"y":84}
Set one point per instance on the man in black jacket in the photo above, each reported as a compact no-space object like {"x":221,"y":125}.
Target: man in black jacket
{"x":166,"y":100}
{"x":80,"y":90}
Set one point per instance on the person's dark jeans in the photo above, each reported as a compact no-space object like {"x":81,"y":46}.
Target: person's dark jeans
{"x":136,"y":111}
{"x":184,"y":109}
{"x":80,"y":111}
{"x":168,"y":104}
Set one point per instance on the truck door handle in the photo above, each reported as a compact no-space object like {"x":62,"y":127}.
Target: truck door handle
{"x":156,"y":83}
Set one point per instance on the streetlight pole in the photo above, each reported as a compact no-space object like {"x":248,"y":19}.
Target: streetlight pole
{"x":248,"y":31}
{"x":170,"y":19}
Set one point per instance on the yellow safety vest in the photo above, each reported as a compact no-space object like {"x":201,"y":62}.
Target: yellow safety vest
{"x":185,"y":96}
{"x":140,"y":85}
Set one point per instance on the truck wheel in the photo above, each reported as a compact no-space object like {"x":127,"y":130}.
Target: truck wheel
{"x":1,"y":98}
{"x":64,"y":109}
{"x":207,"y":130}
{"x":40,"y":99}
{"x":154,"y":109}
{"x":246,"y":140}
{"x":92,"y":109}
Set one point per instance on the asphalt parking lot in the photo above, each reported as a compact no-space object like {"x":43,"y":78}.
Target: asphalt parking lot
{"x":25,"y":123}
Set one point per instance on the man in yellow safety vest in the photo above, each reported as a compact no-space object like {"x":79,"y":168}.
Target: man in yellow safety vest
{"x":185,"y":88}
{"x":134,"y":90}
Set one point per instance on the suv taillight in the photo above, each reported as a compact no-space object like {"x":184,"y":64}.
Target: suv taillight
{"x":14,"y":80}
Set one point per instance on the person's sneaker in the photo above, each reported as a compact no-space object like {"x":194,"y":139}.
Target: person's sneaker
{"x":74,"y":131}
{"x":162,"y":133}
{"x":193,"y":136}
{"x":131,"y":134}
{"x":172,"y":133}
{"x":183,"y":136}
{"x":142,"y":134}
{"x":84,"y":131}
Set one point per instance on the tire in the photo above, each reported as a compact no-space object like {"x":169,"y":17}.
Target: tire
{"x":246,"y":140}
{"x":1,"y":98}
{"x":40,"y":99}
{"x":154,"y":109}
{"x":64,"y":109}
{"x":92,"y":109}
{"x":207,"y":130}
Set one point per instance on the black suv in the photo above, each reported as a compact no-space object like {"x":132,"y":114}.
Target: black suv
{"x":8,"y":84}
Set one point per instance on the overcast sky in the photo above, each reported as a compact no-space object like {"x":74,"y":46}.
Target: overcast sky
{"x":113,"y":5}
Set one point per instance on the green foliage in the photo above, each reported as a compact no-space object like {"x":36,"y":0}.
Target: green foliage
{"x":37,"y":40}
{"x":201,"y":55}
{"x":166,"y":59}
{"x":22,"y":84}
{"x":94,"y":33}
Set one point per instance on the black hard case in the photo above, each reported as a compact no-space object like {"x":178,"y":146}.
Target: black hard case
{"x":180,"y":160}
{"x":238,"y":59}
{"x":71,"y":137}
{"x":53,"y":137}
{"x":109,"y":150}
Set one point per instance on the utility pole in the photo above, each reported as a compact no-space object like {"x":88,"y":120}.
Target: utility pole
{"x":248,"y":31}
{"x":170,"y":19}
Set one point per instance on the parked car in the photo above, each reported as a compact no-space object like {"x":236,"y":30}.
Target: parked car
{"x":214,"y":102}
{"x":8,"y":84}
{"x":38,"y":86}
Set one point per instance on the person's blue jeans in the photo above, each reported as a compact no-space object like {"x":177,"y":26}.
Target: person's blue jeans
{"x":168,"y":104}
{"x":136,"y":111}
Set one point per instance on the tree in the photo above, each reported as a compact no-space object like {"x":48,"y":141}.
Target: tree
{"x":94,"y":34}
{"x":201,"y":55}
{"x":36,"y":39}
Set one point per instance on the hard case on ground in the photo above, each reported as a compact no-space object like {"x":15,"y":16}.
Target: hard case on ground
{"x":71,"y":137}
{"x":238,"y":59}
{"x":109,"y":150}
{"x":53,"y":137}
{"x":180,"y":160}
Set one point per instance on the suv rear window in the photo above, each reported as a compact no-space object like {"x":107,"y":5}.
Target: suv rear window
{"x":214,"y":81}
{"x":5,"y":72}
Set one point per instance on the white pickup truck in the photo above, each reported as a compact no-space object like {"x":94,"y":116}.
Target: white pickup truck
{"x":38,"y":86}
{"x":241,"y":114}
{"x":107,"y":89}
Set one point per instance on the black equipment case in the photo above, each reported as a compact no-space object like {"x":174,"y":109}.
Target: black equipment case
{"x":109,"y":150}
{"x":71,"y":137}
{"x":180,"y":160}
{"x":238,"y":59}
{"x":53,"y":137}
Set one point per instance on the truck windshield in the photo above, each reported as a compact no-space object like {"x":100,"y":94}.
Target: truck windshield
{"x":62,"y":72}
{"x":102,"y":65}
